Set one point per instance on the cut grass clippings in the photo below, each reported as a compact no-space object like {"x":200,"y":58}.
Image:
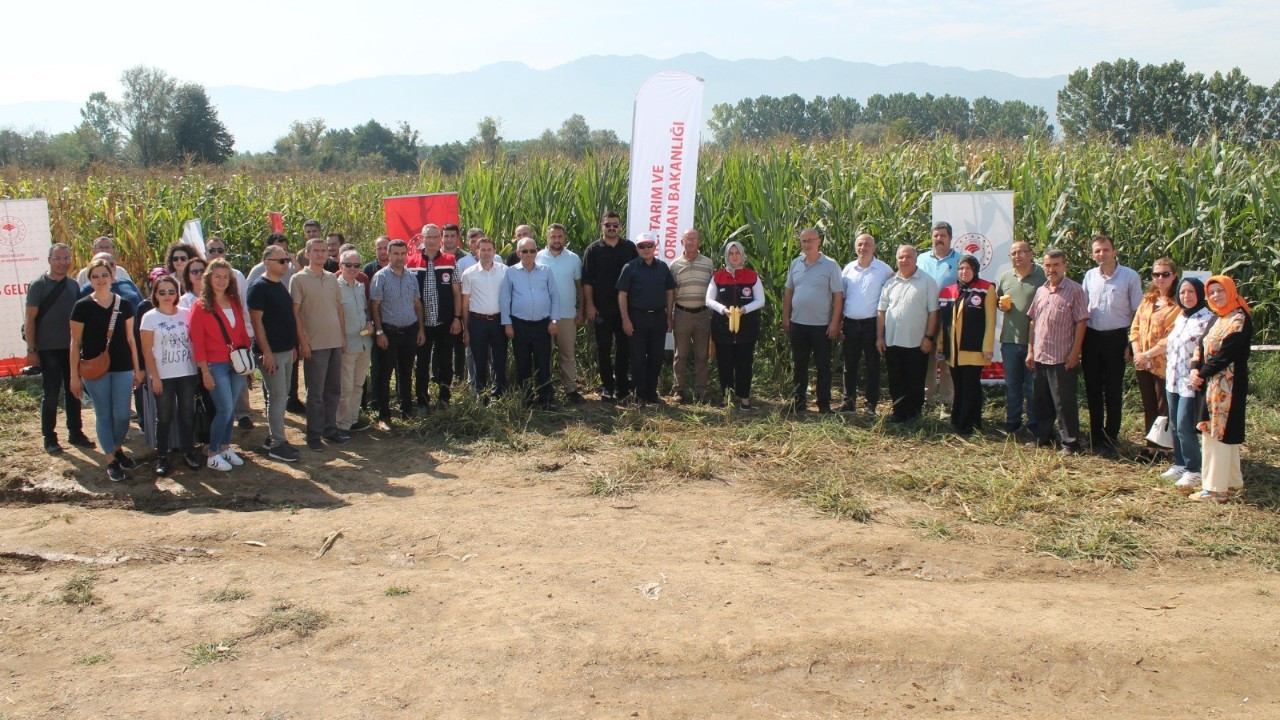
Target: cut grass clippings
{"x":285,"y":617}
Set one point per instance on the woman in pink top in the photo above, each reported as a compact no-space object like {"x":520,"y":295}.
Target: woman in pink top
{"x":219,"y":309}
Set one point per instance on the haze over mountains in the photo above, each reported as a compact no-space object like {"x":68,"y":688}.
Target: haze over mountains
{"x":444,"y":108}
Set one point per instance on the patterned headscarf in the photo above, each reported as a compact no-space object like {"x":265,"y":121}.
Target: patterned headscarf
{"x":1200,"y":303}
{"x":1233,"y":298}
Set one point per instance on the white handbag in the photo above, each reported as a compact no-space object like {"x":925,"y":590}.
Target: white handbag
{"x":1160,"y":433}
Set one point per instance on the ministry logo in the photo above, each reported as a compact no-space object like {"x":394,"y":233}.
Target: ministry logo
{"x":12,"y":231}
{"x":977,"y":245}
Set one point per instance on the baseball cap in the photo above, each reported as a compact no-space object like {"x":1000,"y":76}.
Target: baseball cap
{"x":646,"y":239}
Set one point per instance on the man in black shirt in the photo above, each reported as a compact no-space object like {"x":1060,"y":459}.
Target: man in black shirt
{"x":646,"y":296}
{"x":48,"y":334}
{"x":601,"y":266}
{"x":276,"y":335}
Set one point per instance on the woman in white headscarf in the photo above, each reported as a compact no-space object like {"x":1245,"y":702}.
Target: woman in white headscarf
{"x":735,"y":295}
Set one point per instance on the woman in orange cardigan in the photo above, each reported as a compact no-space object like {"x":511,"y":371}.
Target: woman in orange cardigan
{"x":218,"y":309}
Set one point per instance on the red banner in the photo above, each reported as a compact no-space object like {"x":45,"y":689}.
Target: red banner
{"x":406,"y":214}
{"x":277,"y":222}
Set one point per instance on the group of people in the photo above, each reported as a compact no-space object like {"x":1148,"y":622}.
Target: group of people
{"x":426,"y":313}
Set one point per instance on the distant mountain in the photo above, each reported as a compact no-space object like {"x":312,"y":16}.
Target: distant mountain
{"x":444,"y":108}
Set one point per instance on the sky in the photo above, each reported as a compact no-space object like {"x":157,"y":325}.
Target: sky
{"x":66,"y":50}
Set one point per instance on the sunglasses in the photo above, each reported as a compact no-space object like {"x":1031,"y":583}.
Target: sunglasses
{"x":197,"y":271}
{"x":528,"y":252}
{"x":646,"y":246}
{"x":282,"y":261}
{"x":613,"y":225}
{"x":351,"y":265}
{"x":162,"y":293}
{"x":180,"y":258}
{"x":217,"y":251}
{"x":1162,"y":274}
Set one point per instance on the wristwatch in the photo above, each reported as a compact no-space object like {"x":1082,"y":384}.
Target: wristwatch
{"x":379,"y":332}
{"x":929,"y":338}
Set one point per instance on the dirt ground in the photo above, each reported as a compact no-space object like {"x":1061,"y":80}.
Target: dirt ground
{"x":477,"y":583}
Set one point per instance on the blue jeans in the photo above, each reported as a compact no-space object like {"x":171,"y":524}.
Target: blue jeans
{"x":227,"y":386}
{"x":1184,"y":412}
{"x":111,"y":394}
{"x":1019,"y":387}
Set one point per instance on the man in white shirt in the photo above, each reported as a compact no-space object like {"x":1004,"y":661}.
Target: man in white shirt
{"x":482,"y":319}
{"x":864,"y":278}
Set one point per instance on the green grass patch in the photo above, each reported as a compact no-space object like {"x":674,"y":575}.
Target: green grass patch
{"x":96,"y":659}
{"x":211,"y":651}
{"x":78,"y":590}
{"x":1102,"y":539}
{"x":396,"y":591}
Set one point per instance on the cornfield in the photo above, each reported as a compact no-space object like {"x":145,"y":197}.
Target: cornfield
{"x":1212,"y":206}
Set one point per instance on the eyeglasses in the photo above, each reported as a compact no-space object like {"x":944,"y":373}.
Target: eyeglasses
{"x":216,"y":251}
{"x":351,"y":265}
{"x":162,"y":293}
{"x":180,"y":258}
{"x":61,"y":258}
{"x":1019,"y":252}
{"x":613,"y":225}
{"x":1162,"y":274}
{"x":282,"y":261}
{"x":528,"y":252}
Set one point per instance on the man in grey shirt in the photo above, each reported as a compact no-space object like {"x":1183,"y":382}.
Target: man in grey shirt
{"x":48,"y":334}
{"x":1114,"y":292}
{"x":811,"y":308}
{"x":906,"y":323}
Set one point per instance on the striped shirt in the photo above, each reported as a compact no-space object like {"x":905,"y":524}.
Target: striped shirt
{"x":1054,"y":313}
{"x":692,"y":278}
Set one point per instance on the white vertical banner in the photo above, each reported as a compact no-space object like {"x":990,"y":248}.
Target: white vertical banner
{"x":981,"y":226}
{"x":665,"y":133}
{"x":24,"y":255}
{"x":193,"y":234}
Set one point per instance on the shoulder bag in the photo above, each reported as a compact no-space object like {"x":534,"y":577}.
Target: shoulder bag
{"x":241,"y":358}
{"x":96,"y":367}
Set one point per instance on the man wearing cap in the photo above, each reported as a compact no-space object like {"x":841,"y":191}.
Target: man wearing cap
{"x":941,"y":264}
{"x":601,"y":266}
{"x":690,"y":320}
{"x":811,"y":308}
{"x":646,"y":296}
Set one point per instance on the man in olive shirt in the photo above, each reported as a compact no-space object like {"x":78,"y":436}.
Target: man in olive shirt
{"x":48,"y":334}
{"x":811,"y":308}
{"x":1016,"y":289}
{"x":322,"y":338}
{"x":646,"y":293}
{"x":690,"y":321}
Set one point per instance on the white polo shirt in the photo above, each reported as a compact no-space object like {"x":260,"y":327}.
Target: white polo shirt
{"x":484,"y":287}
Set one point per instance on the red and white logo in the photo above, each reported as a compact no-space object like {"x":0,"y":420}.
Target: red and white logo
{"x":975,"y":300}
{"x":975,"y":244}
{"x":444,"y":277}
{"x":746,"y":292}
{"x":12,"y":231}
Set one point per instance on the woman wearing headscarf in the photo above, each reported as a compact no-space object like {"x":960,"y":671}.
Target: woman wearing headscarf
{"x":1181,"y":398}
{"x":1147,"y":334}
{"x":735,"y":295}
{"x":967,"y":310}
{"x":1220,"y":370}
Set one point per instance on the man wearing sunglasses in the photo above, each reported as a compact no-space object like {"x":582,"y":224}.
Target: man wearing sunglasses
{"x":602,"y":264}
{"x":276,"y":336}
{"x":530,"y":307}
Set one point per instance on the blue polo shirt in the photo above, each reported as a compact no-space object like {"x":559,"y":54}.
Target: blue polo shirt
{"x":941,"y":269}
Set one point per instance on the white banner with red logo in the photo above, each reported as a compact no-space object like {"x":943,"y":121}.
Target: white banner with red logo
{"x":24,"y":255}
{"x":665,"y":133}
{"x":981,"y":226}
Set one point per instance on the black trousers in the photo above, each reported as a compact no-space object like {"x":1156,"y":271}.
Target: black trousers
{"x":966,"y":407}
{"x":906,"y":368}
{"x":1102,"y":361}
{"x":1055,"y":396}
{"x":647,"y":339}
{"x":55,"y":369}
{"x":735,"y":363}
{"x":176,"y":393}
{"x":860,"y":345}
{"x":615,"y":372}
{"x":434,"y":363}
{"x":806,"y":341}
{"x":402,"y":347}
{"x":532,"y":347}
{"x":489,"y":348}
{"x":459,"y":355}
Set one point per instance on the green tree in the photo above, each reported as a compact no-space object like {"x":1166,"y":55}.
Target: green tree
{"x":98,"y":131}
{"x":144,"y":112}
{"x":574,"y":136}
{"x":195,"y":128}
{"x":488,"y":137}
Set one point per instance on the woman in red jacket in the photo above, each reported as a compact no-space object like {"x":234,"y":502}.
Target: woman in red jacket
{"x":218,"y":325}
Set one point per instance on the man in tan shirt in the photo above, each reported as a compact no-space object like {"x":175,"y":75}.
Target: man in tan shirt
{"x":317,"y":309}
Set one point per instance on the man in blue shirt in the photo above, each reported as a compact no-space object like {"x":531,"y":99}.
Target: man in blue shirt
{"x":941,"y":265}
{"x":811,"y":309}
{"x":646,"y":298}
{"x":1114,"y":292}
{"x":530,"y":307}
{"x":864,"y":278}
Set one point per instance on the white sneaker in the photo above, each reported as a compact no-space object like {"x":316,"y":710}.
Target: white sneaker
{"x":1189,"y":480}
{"x":217,"y":462}
{"x":1173,"y":472}
{"x":230,"y":456}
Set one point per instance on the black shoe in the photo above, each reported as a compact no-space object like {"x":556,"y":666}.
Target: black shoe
{"x":360,"y":425}
{"x":1069,"y":450}
{"x":575,"y":397}
{"x":825,"y":410}
{"x":245,"y":423}
{"x":848,"y":406}
{"x":192,"y":460}
{"x":295,"y":406}
{"x":796,"y":407}
{"x":162,"y":465}
{"x":284,"y":452}
{"x":745,"y":407}
{"x":124,"y":461}
{"x":337,"y":438}
{"x":608,"y":396}
{"x":315,"y":444}
{"x":81,"y":440}
{"x":114,"y":472}
{"x":51,"y":446}
{"x":406,"y":416}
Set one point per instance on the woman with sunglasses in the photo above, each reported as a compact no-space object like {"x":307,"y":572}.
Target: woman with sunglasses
{"x":192,"y":282}
{"x":166,"y":348}
{"x":101,"y":322}
{"x":219,"y":308}
{"x":1148,"y":337}
{"x":175,"y":261}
